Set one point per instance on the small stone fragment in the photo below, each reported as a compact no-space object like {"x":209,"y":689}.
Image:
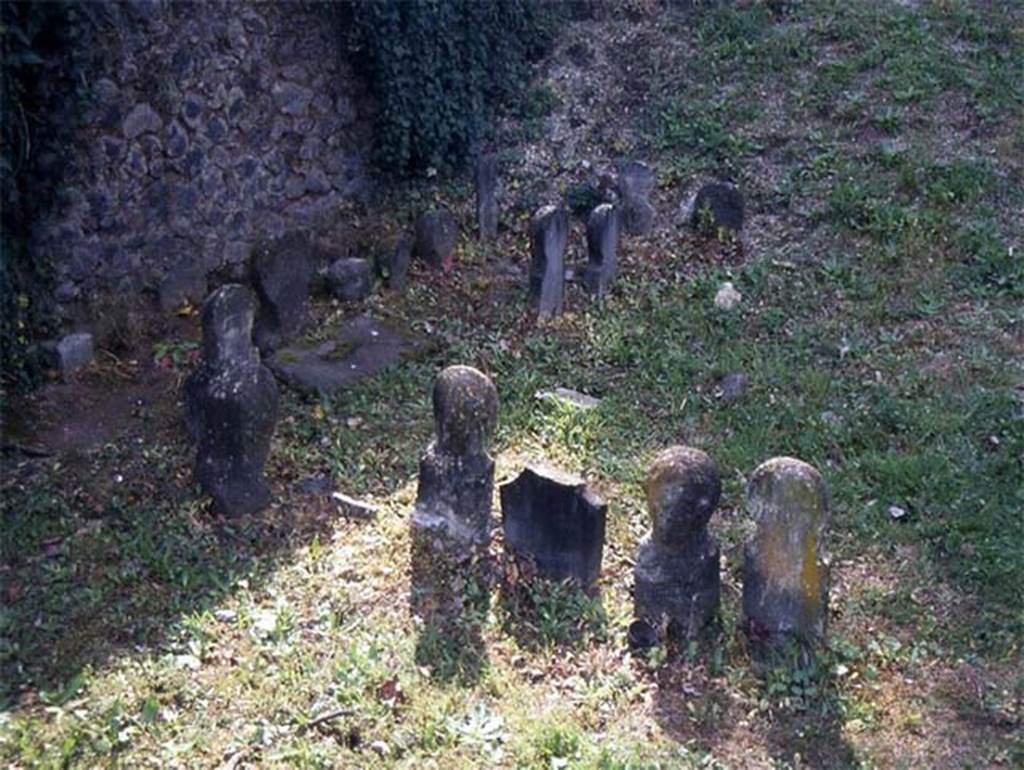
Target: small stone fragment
{"x":352,"y":508}
{"x":549,"y":235}
{"x":570,"y":397}
{"x":727,"y":297}
{"x":732,"y":386}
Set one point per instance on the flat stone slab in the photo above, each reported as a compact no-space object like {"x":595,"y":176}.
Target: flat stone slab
{"x":568,"y":397}
{"x":362,"y":348}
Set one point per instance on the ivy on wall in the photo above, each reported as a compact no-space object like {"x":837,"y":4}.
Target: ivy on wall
{"x":38,"y":51}
{"x":440,"y":68}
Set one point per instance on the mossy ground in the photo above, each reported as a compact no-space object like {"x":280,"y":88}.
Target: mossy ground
{"x":880,"y":148}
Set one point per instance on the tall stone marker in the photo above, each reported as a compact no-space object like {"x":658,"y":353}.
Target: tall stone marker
{"x":231,"y":406}
{"x":785,"y":585}
{"x":280,"y":272}
{"x":549,"y":235}
{"x":603,"y":229}
{"x":635,"y":183}
{"x":554,"y":524}
{"x":451,"y":523}
{"x":486,"y":201}
{"x":676,"y":578}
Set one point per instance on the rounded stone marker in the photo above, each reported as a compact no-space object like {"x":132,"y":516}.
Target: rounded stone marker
{"x":676,"y":578}
{"x":785,"y":586}
{"x":451,"y":523}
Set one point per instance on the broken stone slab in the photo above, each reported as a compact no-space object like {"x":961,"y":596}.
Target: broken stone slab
{"x":676,"y":578}
{"x":362,"y":348}
{"x":350,"y":279}
{"x":486,"y":178}
{"x":717,"y":207}
{"x":568,"y":397}
{"x":554,"y":525}
{"x":69,"y":354}
{"x":549,"y":235}
{"x":786,"y":571}
{"x":603,"y":228}
{"x":231,"y":406}
{"x":280,"y":271}
{"x":434,"y":244}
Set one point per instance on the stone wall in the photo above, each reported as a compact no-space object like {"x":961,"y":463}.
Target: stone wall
{"x":207,"y":127}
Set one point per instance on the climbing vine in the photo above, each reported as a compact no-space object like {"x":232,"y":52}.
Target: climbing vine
{"x":441,"y":68}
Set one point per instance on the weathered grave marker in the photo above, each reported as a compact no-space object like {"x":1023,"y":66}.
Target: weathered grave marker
{"x":549,"y":235}
{"x":451,"y":523}
{"x":718,"y":207}
{"x":554,"y":525}
{"x":785,"y":585}
{"x":280,"y":272}
{"x":486,"y":202}
{"x":231,"y":403}
{"x":436,"y":232}
{"x":603,"y":228}
{"x":635,"y":182}
{"x":676,"y":578}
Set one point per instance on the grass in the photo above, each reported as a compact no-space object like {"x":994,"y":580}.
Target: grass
{"x":881,"y":331}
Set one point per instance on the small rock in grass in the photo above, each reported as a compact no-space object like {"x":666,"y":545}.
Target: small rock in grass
{"x":727,"y":297}
{"x":732,"y":386}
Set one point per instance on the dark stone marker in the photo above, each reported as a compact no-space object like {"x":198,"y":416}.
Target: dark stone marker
{"x":677,"y":568}
{"x":393,"y":262}
{"x":555,"y":523}
{"x":486,"y":203}
{"x":549,"y":235}
{"x":231,"y":406}
{"x":785,"y":574}
{"x":280,"y":272}
{"x":635,"y":183}
{"x":436,"y":232}
{"x":350,"y":279}
{"x":717,"y":207}
{"x":602,"y":248}
{"x":451,"y":523}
